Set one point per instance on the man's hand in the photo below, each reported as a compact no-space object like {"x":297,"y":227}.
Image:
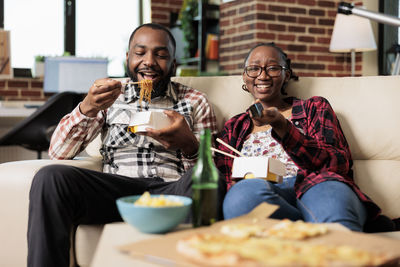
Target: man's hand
{"x":273,"y":117}
{"x":177,"y":136}
{"x":101,"y":96}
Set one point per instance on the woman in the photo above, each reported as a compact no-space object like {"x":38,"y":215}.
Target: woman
{"x":306,"y":136}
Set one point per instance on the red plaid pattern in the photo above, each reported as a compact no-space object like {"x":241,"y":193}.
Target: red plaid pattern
{"x":315,"y":142}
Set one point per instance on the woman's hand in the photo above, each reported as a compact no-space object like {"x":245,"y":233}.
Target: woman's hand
{"x":177,"y":136}
{"x":101,"y":95}
{"x":273,"y":117}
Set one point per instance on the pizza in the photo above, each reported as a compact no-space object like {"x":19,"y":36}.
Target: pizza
{"x":285,"y":229}
{"x":254,"y":245}
{"x":242,"y":230}
{"x":222,"y":250}
{"x":297,"y":230}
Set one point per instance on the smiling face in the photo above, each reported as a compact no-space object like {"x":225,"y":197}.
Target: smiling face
{"x":151,"y":56}
{"x":265,"y":87}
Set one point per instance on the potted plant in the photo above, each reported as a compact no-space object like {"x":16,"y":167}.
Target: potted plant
{"x":186,"y":16}
{"x":39,"y":66}
{"x":38,"y":70}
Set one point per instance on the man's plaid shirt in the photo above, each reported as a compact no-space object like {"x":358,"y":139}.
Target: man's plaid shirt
{"x":315,"y":142}
{"x":126,"y":153}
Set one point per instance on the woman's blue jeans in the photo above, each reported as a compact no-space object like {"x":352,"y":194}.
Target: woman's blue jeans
{"x":330,"y":201}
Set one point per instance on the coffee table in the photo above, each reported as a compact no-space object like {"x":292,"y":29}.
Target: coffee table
{"x":119,"y":234}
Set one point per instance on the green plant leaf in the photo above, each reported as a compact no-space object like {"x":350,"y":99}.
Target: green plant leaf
{"x":39,"y":58}
{"x":187,"y":16}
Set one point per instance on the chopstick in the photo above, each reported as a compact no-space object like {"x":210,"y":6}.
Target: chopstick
{"x":228,"y":146}
{"x":98,"y":85}
{"x":222,"y":152}
{"x":131,"y":83}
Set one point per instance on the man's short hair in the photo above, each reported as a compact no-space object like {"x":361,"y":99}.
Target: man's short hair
{"x":155,"y":26}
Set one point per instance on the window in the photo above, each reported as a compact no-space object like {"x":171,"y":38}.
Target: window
{"x":103,"y":28}
{"x":388,"y":37}
{"x":36,"y":28}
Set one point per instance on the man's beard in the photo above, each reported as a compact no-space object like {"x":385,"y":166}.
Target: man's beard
{"x":159,"y":89}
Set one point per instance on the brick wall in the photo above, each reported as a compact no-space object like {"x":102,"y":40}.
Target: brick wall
{"x":24,"y":89}
{"x":161,"y":10}
{"x":302,"y":28}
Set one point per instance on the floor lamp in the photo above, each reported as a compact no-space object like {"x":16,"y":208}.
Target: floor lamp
{"x":350,"y":9}
{"x":352,"y":34}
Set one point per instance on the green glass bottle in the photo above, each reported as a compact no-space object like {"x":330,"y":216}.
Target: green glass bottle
{"x":205,"y":184}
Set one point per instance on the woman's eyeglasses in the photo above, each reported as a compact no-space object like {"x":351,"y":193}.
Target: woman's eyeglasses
{"x":272,"y":71}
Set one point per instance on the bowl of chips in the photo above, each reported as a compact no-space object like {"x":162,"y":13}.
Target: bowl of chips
{"x":154,"y":213}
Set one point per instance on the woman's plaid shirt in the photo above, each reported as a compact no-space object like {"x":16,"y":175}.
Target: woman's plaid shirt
{"x":315,"y":142}
{"x":126,"y":153}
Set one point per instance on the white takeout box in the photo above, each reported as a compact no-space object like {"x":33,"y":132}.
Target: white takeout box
{"x":148,"y":119}
{"x":258,"y":167}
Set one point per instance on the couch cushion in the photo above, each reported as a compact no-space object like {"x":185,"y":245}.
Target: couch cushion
{"x":15,"y":182}
{"x":379,"y":179}
{"x":224,"y":93}
{"x":93,"y":148}
{"x":362,"y":104}
{"x":86,"y":239}
{"x":367,"y":112}
{"x":367,"y":108}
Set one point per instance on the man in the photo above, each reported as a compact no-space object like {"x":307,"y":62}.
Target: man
{"x":62,"y":197}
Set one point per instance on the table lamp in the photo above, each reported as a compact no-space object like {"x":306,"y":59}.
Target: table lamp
{"x":352,"y":34}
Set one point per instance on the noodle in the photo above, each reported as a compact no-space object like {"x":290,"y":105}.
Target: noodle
{"x":146,"y":86}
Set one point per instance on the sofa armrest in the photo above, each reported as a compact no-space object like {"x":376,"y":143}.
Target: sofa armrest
{"x":15,"y":182}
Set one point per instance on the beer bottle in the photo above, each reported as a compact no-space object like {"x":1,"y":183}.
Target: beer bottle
{"x":205,"y":184}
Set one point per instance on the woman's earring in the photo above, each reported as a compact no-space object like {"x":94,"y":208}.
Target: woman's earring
{"x":244,"y":87}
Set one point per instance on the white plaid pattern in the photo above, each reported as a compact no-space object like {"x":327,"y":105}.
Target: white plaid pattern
{"x":126,"y":153}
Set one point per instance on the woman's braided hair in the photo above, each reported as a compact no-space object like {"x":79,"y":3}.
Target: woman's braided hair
{"x":284,"y":58}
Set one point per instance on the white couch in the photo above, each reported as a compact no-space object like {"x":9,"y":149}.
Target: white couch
{"x":366,"y":106}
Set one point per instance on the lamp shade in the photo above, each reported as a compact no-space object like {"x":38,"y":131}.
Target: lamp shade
{"x":351,"y":32}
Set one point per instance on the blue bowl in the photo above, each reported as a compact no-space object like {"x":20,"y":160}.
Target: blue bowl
{"x":153,"y":219}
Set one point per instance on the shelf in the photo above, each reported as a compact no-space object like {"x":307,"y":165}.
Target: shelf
{"x":190,"y":60}
{"x":199,"y":18}
{"x":207,"y":22}
{"x":211,"y":6}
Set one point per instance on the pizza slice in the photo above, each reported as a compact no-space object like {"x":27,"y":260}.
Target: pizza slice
{"x":297,"y":230}
{"x":222,"y":250}
{"x":242,"y":230}
{"x":285,"y":229}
